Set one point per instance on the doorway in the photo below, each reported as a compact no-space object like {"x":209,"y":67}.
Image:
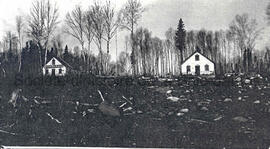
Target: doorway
{"x":197,"y":70}
{"x":53,"y":72}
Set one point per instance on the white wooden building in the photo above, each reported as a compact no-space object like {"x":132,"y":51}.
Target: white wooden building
{"x":55,"y":67}
{"x":198,"y":64}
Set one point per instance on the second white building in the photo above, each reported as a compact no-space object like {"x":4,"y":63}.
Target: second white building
{"x":198,"y":64}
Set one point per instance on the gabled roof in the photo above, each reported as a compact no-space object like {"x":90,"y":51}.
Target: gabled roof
{"x":195,"y":53}
{"x":60,"y":60}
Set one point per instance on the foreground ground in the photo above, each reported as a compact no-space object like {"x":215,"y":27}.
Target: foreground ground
{"x":190,"y":113}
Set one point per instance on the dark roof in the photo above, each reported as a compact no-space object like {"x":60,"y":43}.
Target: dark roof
{"x":199,"y":53}
{"x":61,"y":61}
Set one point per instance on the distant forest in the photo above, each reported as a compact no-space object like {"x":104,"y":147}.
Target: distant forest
{"x":35,"y":40}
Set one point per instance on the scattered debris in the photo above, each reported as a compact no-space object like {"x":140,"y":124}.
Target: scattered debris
{"x":238,"y":79}
{"x":91,"y":110}
{"x":247,"y":81}
{"x":128,"y":109}
{"x":169,"y":92}
{"x":204,"y":109}
{"x":139,"y":112}
{"x":240,"y":119}
{"x":15,"y":97}
{"x":257,"y":102}
{"x":84,"y":113}
{"x":11,"y":133}
{"x":53,"y":118}
{"x":127,"y":100}
{"x":228,"y":100}
{"x":184,"y":110}
{"x":197,"y":120}
{"x":218,"y":118}
{"x":122,"y":105}
{"x":180,"y":114}
{"x":174,"y":99}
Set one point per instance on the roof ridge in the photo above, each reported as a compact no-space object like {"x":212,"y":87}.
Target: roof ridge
{"x":60,"y":60}
{"x":195,"y":53}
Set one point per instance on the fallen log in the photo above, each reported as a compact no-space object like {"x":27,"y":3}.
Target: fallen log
{"x":6,"y":132}
{"x":53,"y":118}
{"x":127,"y":100}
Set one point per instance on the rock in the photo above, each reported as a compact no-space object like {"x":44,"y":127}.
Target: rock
{"x":204,"y":109}
{"x":187,"y":91}
{"x":180,"y":114}
{"x":84,"y":113}
{"x":239,"y":98}
{"x":240,"y":119}
{"x":15,"y":97}
{"x":170,"y":113}
{"x":169,"y":92}
{"x":228,"y":100}
{"x":91,"y":110}
{"x":247,"y":81}
{"x":184,"y":110}
{"x":238,"y":79}
{"x":174,"y":99}
{"x":108,"y":109}
{"x":257,"y":102}
{"x":139,"y":112}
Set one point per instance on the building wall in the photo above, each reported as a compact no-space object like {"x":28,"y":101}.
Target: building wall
{"x":202,"y":62}
{"x":57,"y":66}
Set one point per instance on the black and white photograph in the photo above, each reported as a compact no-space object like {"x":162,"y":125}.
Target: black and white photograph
{"x":128,"y":74}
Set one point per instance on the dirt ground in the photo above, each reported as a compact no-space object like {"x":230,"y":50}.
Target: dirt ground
{"x":231,"y":112}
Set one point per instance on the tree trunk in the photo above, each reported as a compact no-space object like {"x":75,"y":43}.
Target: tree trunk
{"x":107,"y":57}
{"x":101,"y":57}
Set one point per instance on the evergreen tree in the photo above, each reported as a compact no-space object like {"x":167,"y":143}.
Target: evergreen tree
{"x":180,"y":37}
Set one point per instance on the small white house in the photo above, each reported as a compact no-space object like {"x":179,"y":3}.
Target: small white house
{"x":55,"y":67}
{"x":198,"y":64}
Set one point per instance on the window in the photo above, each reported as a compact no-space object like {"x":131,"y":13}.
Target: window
{"x":188,"y":69}
{"x":60,"y":71}
{"x":206,"y":67}
{"x":53,"y":62}
{"x":197,"y":58}
{"x":46,"y":72}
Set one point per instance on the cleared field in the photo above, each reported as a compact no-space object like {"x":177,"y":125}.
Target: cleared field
{"x":187,"y":112}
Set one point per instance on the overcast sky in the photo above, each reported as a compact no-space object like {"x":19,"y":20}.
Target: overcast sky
{"x":159,"y":15}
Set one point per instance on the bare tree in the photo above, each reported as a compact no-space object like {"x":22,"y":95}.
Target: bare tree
{"x":110,"y":24}
{"x":88,"y":23}
{"x":268,"y":13}
{"x":246,"y":32}
{"x":129,"y":16}
{"x":88,"y":28}
{"x":11,"y":41}
{"x":75,"y":22}
{"x":98,"y":29}
{"x":43,"y":21}
{"x":19,"y":28}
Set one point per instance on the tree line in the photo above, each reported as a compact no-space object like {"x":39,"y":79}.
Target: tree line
{"x":232,"y":50}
